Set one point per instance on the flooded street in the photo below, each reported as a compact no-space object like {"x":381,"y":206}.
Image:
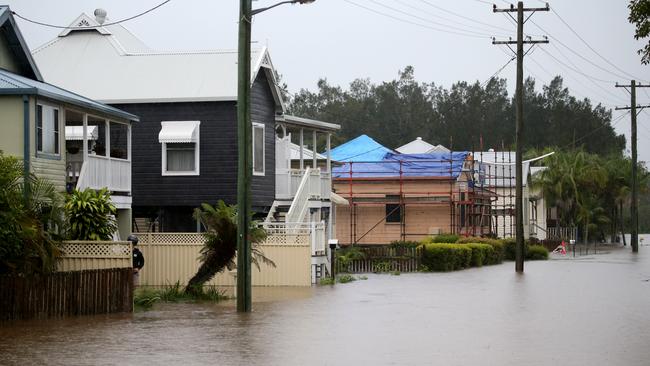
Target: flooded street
{"x":591,"y":310}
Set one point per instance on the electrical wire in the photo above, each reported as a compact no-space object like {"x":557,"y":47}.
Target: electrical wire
{"x":412,"y":23}
{"x":611,"y":124}
{"x":90,"y":27}
{"x":425,"y":19}
{"x":464,"y":17}
{"x":576,"y":70}
{"x":420,"y":10}
{"x":577,"y":53}
{"x":591,"y":48}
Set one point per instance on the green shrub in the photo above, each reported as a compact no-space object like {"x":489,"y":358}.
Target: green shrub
{"x":493,"y":257}
{"x":345,"y":278}
{"x":509,"y":249}
{"x":537,"y":252}
{"x":446,"y":257}
{"x":381,"y":267}
{"x":442,"y":238}
{"x":327,"y":281}
{"x":345,"y":256}
{"x":399,"y":244}
{"x":91,"y":214}
{"x":481,"y":254}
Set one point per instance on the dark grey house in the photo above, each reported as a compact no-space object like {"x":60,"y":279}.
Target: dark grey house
{"x":185,"y":146}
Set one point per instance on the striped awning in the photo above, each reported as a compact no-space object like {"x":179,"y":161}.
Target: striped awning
{"x":179,"y":131}
{"x":76,"y":133}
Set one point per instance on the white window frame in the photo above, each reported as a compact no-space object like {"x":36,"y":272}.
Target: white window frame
{"x":197,"y":160}
{"x":263,"y":126}
{"x":61,"y":120}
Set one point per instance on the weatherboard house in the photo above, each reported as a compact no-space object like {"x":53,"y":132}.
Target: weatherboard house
{"x":66,"y":138}
{"x":185,"y":145}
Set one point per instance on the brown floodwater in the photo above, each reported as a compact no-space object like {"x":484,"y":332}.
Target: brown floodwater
{"x":592,"y":310}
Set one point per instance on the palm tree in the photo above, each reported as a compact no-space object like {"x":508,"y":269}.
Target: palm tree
{"x":220,"y":245}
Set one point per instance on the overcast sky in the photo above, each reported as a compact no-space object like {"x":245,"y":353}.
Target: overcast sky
{"x":445,"y":40}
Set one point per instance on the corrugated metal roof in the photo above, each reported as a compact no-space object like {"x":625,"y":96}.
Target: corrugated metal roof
{"x":119,"y":68}
{"x":13,"y":84}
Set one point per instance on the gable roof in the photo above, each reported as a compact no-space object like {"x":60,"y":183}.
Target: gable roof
{"x":419,"y":146}
{"x":13,"y":84}
{"x":110,"y":64}
{"x":362,"y":148}
{"x":17,"y":45}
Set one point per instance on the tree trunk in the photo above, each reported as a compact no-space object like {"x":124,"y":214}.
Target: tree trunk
{"x":215,"y":262}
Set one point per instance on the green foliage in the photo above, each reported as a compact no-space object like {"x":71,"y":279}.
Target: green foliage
{"x":145,"y":298}
{"x":30,"y":220}
{"x":345,"y":256}
{"x":381,"y":267}
{"x":220,"y":246}
{"x":537,"y":252}
{"x":395,"y":273}
{"x":345,"y":278}
{"x":442,"y":238}
{"x":509,"y":249}
{"x":327,"y":281}
{"x":640,"y":17}
{"x":446,"y":257}
{"x":482,"y":254}
{"x":91,"y":215}
{"x":492,"y":257}
{"x":407,"y":244}
{"x":397,"y":111}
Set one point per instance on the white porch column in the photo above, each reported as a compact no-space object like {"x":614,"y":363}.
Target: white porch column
{"x":85,"y":139}
{"x":314,"y":162}
{"x":329,"y":155}
{"x":302,"y":136}
{"x":109,"y":168}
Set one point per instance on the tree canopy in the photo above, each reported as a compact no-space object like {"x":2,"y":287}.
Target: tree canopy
{"x":639,"y":16}
{"x":397,"y":111}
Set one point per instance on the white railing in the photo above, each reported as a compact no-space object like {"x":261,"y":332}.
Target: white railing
{"x":318,"y":237}
{"x":563,"y":233}
{"x":300,"y":204}
{"x":98,"y":172}
{"x":287,"y":182}
{"x":325,"y":185}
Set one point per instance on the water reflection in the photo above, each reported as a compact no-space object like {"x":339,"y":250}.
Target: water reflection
{"x":587,"y":311}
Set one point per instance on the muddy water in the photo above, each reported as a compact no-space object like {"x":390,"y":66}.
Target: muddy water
{"x":587,"y":311}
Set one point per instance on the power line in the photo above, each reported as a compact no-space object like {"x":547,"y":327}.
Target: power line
{"x":410,"y":22}
{"x":407,"y":4}
{"x":425,"y":19}
{"x":94,"y":26}
{"x":576,"y":70}
{"x":465,"y":17}
{"x":611,"y":124}
{"x":578,"y":54}
{"x":591,"y":48}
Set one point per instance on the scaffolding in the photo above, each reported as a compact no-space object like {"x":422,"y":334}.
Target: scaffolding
{"x":415,"y":185}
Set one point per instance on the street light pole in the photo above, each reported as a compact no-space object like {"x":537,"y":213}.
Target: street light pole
{"x":244,"y":151}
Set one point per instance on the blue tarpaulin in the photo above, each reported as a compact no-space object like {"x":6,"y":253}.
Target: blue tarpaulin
{"x":362,"y":148}
{"x":392,"y":165}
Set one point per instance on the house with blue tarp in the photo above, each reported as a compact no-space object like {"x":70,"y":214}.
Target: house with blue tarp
{"x":395,"y":196}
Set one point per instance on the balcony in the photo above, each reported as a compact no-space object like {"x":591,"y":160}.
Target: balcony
{"x":98,"y":153}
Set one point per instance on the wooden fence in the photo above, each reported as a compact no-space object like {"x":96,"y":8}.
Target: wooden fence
{"x":59,"y":294}
{"x":173,"y":257}
{"x":384,"y":259}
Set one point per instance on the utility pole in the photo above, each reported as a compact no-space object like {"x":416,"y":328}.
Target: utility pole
{"x":245,"y":159}
{"x":634,"y":209}
{"x":519,"y":130}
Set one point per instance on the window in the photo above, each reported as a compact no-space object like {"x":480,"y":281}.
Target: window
{"x":180,"y":147}
{"x":258,"y":149}
{"x":47,"y":129}
{"x":393,"y":210}
{"x":119,"y":133}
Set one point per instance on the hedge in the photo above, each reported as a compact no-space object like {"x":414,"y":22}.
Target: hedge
{"x":446,"y":257}
{"x":496,"y":256}
{"x":537,"y":252}
{"x":481,"y":254}
{"x":442,"y":238}
{"x":531,"y":252}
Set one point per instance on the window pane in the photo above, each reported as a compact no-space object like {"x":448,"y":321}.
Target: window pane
{"x":119,"y":140}
{"x":258,"y":149}
{"x":393,"y":211}
{"x":98,"y":145}
{"x":56,"y":131}
{"x":39,"y":128}
{"x":181,"y":157}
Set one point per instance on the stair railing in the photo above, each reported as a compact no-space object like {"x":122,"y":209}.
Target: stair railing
{"x":300,"y":204}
